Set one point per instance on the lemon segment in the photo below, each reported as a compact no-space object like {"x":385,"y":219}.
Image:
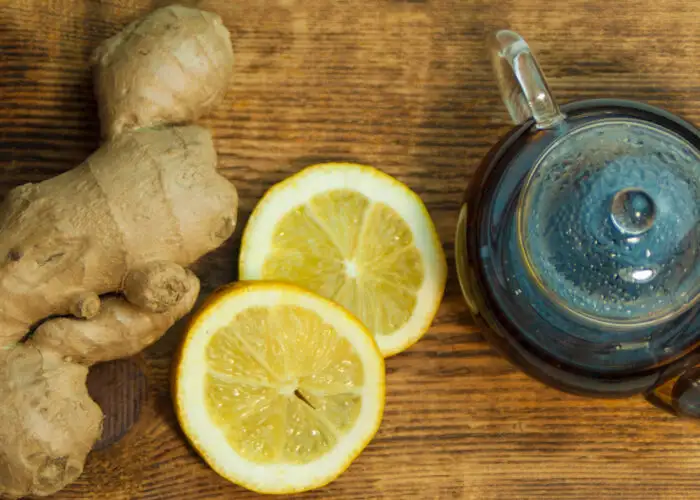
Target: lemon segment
{"x":278,"y":388}
{"x":356,"y":236}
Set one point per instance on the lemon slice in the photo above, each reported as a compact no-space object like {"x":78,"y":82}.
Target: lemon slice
{"x":277,"y":388}
{"x":354,"y":235}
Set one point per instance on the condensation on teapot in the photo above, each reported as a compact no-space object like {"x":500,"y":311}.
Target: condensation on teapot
{"x":608,"y":222}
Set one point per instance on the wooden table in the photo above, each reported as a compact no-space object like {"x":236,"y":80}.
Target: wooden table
{"x":405,"y":86}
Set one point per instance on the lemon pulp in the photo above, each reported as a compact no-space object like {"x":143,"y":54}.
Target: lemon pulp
{"x":356,"y":252}
{"x":281,"y":384}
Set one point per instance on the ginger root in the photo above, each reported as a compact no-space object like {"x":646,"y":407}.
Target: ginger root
{"x":165,"y":68}
{"x":49,"y":422}
{"x":105,"y":246}
{"x":121,"y":329}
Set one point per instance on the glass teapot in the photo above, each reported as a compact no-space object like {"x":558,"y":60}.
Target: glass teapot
{"x":578,"y":243}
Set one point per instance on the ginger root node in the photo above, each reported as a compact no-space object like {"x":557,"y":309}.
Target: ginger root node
{"x":86,"y":305}
{"x":156,"y":287}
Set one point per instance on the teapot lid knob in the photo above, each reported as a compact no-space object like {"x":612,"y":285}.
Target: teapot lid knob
{"x":632,"y":211}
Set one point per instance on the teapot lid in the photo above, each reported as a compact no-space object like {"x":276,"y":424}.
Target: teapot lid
{"x":608,"y":223}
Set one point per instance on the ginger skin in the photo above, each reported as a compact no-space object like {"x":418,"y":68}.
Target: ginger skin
{"x":121,"y":329}
{"x":49,"y":422}
{"x":125,"y":223}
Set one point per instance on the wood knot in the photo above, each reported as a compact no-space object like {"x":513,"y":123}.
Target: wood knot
{"x":120,"y":388}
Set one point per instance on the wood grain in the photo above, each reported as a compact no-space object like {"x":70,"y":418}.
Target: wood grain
{"x":405,"y":86}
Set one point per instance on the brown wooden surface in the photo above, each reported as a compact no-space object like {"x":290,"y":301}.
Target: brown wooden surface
{"x":405,"y":86}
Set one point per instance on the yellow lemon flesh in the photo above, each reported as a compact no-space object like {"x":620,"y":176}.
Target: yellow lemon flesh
{"x":356,"y":236}
{"x":277,"y":388}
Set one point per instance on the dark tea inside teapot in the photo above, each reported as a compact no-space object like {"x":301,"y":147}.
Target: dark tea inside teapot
{"x":578,"y":244}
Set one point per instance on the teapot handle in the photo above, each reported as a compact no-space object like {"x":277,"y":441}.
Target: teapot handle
{"x":680,"y":395}
{"x":523,"y":87}
{"x":686,"y":394}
